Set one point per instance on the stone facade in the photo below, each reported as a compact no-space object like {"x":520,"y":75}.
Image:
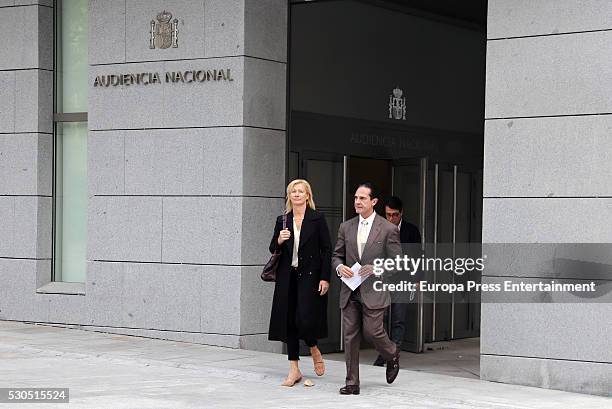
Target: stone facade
{"x":547,"y":180}
{"x":184,"y":179}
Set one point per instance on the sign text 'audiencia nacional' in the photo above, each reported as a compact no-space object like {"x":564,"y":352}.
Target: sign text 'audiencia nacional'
{"x":171,"y":77}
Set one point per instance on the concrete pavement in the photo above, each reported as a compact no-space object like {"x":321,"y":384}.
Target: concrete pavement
{"x":116,"y":371}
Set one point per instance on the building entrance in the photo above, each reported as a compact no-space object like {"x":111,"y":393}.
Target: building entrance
{"x":442,"y":199}
{"x":380,"y":93}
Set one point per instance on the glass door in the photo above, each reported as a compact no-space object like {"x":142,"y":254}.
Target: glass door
{"x":409,"y":184}
{"x":452,"y":227}
{"x":326,"y":173}
{"x":444,"y":202}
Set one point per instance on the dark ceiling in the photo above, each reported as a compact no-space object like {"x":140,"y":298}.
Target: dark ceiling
{"x":470,"y":11}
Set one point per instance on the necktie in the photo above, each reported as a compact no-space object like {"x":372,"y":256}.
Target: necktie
{"x":362,"y":236}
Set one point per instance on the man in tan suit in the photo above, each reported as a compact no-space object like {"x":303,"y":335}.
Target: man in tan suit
{"x":362,"y":239}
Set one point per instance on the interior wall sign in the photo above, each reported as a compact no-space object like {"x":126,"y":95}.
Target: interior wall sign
{"x":397,"y":104}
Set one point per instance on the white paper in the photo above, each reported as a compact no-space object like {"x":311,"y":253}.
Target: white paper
{"x":355,"y":280}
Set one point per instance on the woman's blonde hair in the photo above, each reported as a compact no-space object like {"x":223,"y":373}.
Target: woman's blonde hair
{"x":309,"y":201}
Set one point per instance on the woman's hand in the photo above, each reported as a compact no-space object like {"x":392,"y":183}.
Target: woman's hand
{"x":283,"y":236}
{"x":323,"y":287}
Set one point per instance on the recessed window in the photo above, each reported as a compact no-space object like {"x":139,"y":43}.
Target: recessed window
{"x":70,"y":147}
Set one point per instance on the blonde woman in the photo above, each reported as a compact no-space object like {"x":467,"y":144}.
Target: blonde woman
{"x":299,"y":308}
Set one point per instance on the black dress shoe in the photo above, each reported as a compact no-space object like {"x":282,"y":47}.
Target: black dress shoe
{"x":380,"y":361}
{"x":393,"y":368}
{"x":349,"y":390}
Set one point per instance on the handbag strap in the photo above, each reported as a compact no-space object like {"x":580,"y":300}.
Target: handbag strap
{"x":278,"y":248}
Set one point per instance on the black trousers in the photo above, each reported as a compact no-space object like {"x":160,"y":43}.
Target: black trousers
{"x":398,"y":322}
{"x":293,"y":341}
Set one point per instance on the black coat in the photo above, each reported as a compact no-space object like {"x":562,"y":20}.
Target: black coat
{"x":314,"y":264}
{"x":409,"y":233}
{"x":411,"y":240}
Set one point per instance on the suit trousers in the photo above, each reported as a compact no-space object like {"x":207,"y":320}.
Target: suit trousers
{"x":358,"y":319}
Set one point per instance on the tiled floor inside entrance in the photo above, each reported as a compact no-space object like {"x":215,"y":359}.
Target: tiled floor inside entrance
{"x":455,"y":358}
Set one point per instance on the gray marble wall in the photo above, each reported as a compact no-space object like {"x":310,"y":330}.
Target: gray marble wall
{"x":26,"y":148}
{"x":185,"y":180}
{"x":547,"y":180}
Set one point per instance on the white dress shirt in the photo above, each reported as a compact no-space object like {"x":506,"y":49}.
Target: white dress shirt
{"x":360,"y":231}
{"x":296,"y":244}
{"x":363,"y":231}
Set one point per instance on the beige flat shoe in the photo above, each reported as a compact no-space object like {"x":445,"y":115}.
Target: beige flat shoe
{"x":291,"y":382}
{"x":319,"y":365}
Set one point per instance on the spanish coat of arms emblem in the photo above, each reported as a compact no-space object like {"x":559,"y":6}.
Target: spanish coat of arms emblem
{"x":163,"y":32}
{"x":397,"y":105}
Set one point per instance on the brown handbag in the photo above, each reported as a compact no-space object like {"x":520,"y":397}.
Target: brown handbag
{"x":269,"y":270}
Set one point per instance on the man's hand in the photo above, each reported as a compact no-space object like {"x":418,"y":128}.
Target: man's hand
{"x":345,"y":271}
{"x":366,"y":271}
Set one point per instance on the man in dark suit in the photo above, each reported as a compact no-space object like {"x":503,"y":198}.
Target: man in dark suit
{"x":363,"y":239}
{"x":409,"y":233}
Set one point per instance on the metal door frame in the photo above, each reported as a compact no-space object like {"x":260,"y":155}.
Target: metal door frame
{"x":422,"y":162}
{"x":302,"y":157}
{"x":455,"y":168}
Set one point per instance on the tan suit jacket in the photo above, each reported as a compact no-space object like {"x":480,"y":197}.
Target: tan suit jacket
{"x":383,"y":242}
